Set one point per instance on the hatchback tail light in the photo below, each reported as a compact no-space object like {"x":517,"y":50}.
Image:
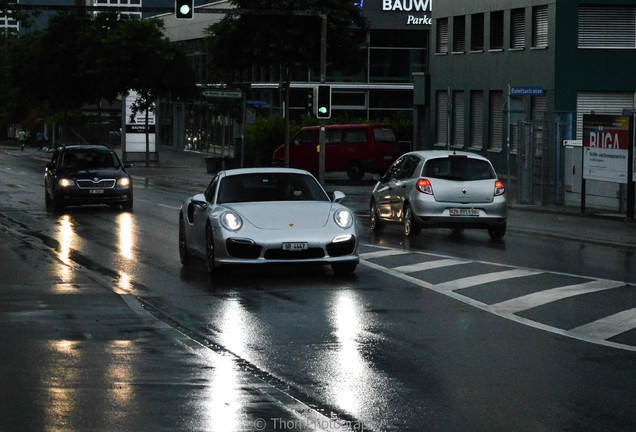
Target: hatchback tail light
{"x":424,"y":186}
{"x":499,"y":188}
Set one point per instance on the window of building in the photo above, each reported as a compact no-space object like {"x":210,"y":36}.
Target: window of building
{"x":496,"y":30}
{"x":607,"y":26}
{"x":458,"y":119}
{"x":540,"y":26}
{"x":495,"y":120}
{"x":518,"y":28}
{"x":120,"y":3}
{"x":459,"y":34}
{"x":394,"y":55}
{"x":442,"y":36}
{"x":441,"y":103}
{"x":476,"y":119}
{"x":477,"y":32}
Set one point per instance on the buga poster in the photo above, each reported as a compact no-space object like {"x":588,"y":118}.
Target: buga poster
{"x":606,"y":148}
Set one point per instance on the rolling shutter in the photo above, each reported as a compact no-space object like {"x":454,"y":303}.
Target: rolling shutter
{"x":442,"y":116}
{"x":458,"y":119}
{"x":607,"y":27}
{"x":496,"y":120}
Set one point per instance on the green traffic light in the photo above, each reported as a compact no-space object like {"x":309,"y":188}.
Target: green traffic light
{"x":185,"y":9}
{"x":322,"y":110}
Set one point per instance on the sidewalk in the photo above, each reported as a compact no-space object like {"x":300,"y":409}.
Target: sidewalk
{"x":189,"y":169}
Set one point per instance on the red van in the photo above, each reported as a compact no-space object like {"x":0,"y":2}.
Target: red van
{"x":353,"y":148}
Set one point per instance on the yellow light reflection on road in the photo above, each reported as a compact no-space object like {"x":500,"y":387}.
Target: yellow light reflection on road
{"x":126,"y":241}
{"x":119,"y":375}
{"x":61,"y":381}
{"x":66,"y":239}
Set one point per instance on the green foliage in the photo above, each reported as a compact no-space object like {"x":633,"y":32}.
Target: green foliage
{"x":261,"y":139}
{"x":78,"y":61}
{"x":238,"y":42}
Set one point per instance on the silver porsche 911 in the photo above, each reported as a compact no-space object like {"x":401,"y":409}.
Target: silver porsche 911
{"x":267,"y":215}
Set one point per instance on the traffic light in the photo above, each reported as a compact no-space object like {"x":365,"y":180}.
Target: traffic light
{"x":322,"y":101}
{"x":183,"y":9}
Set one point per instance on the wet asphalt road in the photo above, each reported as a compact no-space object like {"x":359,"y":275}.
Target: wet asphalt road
{"x":104,"y":330}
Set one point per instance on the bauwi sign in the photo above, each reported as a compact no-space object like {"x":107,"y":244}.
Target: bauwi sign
{"x":605,"y":148}
{"x":398,"y":14}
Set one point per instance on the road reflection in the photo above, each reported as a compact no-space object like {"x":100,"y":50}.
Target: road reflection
{"x":61,"y":383}
{"x":350,"y":368}
{"x":66,"y":238}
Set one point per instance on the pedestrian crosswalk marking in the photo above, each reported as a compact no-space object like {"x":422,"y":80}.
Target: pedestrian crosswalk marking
{"x":598,"y":332}
{"x":471,"y":281}
{"x":382,"y":253}
{"x":540,"y":298}
{"x":428,"y":265}
{"x":608,"y":327}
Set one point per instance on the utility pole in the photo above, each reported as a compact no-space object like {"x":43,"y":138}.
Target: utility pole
{"x":323,"y":80}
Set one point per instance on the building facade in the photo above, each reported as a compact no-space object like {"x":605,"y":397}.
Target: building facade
{"x":570,"y":57}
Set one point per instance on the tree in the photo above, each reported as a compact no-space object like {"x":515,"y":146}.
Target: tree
{"x":78,"y":61}
{"x":279,"y":37}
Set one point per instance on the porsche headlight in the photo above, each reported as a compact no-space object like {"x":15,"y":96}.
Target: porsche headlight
{"x":123,"y":182}
{"x":343,"y":218}
{"x":64,"y":182}
{"x":231,"y":221}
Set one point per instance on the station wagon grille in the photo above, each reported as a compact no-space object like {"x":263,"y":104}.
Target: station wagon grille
{"x":99,"y":184}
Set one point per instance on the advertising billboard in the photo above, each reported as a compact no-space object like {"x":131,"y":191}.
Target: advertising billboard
{"x":606,"y":144}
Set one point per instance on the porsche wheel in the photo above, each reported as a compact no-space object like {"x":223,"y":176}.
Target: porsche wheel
{"x":184,"y":255}
{"x":209,"y":250}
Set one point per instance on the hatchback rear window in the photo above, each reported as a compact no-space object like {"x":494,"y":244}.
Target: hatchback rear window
{"x":458,"y":168}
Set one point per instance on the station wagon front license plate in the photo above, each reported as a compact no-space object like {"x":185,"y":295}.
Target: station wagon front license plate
{"x":295,"y":246}
{"x":464,"y":212}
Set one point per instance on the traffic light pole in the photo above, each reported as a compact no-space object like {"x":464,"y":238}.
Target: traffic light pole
{"x":323,"y":80}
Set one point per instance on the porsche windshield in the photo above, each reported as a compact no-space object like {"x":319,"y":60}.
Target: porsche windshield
{"x":271,"y":186}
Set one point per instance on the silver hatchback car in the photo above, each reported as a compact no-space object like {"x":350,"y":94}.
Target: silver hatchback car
{"x":444,"y":189}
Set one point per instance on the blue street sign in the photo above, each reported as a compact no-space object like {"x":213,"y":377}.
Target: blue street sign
{"x":526,"y":91}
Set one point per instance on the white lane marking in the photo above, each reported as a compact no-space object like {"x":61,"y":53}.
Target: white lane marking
{"x":551,"y":295}
{"x":428,"y":265}
{"x":382,"y":253}
{"x":607,"y":327}
{"x":167,"y":206}
{"x":471,"y":281}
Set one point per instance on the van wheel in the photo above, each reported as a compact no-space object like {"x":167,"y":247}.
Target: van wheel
{"x":355,"y":170}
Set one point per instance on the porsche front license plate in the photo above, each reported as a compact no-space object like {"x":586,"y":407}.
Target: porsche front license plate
{"x":464,"y":212}
{"x":295,"y":246}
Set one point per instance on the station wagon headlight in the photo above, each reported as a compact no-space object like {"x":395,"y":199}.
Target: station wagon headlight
{"x":64,"y":182}
{"x":231,"y":221}
{"x":343,"y":218}
{"x":123,"y":182}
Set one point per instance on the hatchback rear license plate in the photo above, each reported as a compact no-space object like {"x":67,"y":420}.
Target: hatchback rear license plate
{"x":295,"y":246}
{"x":464,"y":212}
{"x":96,"y":191}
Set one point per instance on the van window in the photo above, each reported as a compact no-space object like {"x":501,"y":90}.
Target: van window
{"x":384,"y":134}
{"x":356,"y":136}
{"x":304,"y":137}
{"x":333,"y":136}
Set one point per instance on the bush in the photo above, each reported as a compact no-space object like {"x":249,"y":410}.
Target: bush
{"x":261,"y":139}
